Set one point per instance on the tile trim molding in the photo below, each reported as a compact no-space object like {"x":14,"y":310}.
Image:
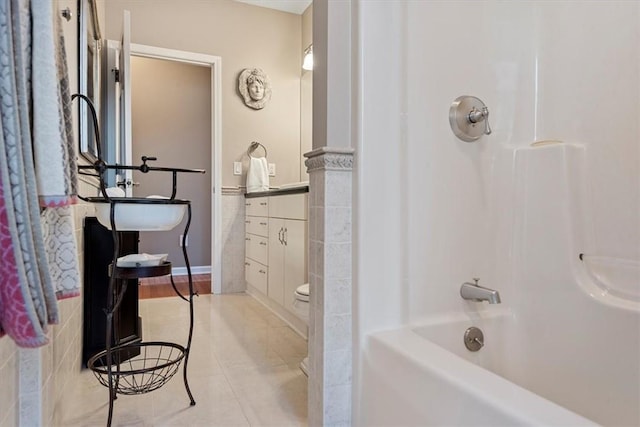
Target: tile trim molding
{"x":330,"y":158}
{"x":233,"y":191}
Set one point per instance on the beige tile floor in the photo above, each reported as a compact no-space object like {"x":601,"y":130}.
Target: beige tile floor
{"x":243,"y":370}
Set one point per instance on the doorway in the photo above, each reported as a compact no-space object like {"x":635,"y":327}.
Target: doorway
{"x":171,"y":121}
{"x":178,"y":117}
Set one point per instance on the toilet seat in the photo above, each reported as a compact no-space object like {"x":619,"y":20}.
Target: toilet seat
{"x":302,"y":292}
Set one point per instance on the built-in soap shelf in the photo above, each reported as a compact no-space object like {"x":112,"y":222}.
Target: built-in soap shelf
{"x":615,"y":276}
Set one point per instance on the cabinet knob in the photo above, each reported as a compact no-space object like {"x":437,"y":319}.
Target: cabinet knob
{"x":247,"y":264}
{"x":262,"y":272}
{"x":263,"y":223}
{"x":247,"y":222}
{"x":263,"y":203}
{"x":247,"y":238}
{"x":263,"y":243}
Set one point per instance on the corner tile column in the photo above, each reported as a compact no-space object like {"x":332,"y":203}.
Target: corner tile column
{"x":233,"y":210}
{"x":330,"y":278}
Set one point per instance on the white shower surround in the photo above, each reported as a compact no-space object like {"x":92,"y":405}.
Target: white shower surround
{"x":568,"y":71}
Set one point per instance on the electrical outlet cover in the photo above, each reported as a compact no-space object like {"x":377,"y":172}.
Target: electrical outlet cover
{"x":272,"y":169}
{"x":237,"y":168}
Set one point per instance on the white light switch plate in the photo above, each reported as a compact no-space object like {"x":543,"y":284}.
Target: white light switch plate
{"x":237,"y":168}
{"x":272,"y":169}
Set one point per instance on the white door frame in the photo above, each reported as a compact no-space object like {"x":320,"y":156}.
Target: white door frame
{"x":215,"y":63}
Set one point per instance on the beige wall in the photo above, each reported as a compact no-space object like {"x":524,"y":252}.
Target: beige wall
{"x":171,"y":120}
{"x":306,"y":94}
{"x":307,"y":27}
{"x":244,"y":36}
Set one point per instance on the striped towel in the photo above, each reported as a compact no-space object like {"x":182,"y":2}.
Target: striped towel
{"x":54,"y":147}
{"x":37,"y":168}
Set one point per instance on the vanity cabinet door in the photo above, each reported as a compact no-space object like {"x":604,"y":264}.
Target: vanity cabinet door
{"x":295,"y":259}
{"x":287,"y":259}
{"x":276,"y":260}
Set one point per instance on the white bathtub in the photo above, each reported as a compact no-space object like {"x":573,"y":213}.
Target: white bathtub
{"x":563,"y":348}
{"x":422,"y":376}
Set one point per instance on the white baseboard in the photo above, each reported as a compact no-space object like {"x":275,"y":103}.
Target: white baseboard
{"x":198,"y":269}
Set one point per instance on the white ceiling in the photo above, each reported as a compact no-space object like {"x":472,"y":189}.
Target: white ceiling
{"x":291,"y":6}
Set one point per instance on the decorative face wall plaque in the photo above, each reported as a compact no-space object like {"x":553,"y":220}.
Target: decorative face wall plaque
{"x":255,"y":87}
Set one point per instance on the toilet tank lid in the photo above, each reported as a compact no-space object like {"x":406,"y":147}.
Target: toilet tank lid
{"x":303,"y":289}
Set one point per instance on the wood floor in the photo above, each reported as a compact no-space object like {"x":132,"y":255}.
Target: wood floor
{"x":160,"y":287}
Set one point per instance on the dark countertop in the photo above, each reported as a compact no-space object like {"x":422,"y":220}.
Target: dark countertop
{"x":278,"y":192}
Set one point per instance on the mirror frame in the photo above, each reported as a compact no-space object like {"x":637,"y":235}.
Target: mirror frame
{"x":89,"y":82}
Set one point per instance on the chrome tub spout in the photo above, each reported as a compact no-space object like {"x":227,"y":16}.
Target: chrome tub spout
{"x":475,"y":292}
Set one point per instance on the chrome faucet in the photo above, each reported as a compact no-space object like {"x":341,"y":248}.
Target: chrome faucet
{"x":475,"y":292}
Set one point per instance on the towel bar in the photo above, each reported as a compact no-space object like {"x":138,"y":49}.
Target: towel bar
{"x":254,"y":146}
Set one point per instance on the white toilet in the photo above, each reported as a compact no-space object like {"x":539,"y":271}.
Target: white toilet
{"x":301,"y":305}
{"x":301,"y":302}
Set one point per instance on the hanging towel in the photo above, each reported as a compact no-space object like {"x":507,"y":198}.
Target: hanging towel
{"x":33,"y":300}
{"x":258,"y":175}
{"x":35,"y":139}
{"x":61,"y":249}
{"x":53,"y":147}
{"x":17,"y":312}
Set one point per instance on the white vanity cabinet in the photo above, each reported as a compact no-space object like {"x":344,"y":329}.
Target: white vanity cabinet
{"x":276,"y":250}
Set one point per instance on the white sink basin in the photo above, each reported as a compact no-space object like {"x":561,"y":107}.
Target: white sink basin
{"x":141,"y":216}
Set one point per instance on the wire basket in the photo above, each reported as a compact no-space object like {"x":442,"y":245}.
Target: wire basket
{"x":155,"y":364}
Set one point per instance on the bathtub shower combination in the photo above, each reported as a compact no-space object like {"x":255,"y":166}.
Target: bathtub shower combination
{"x":537,"y":362}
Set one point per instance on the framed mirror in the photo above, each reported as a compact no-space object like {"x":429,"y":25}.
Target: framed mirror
{"x":90,"y":63}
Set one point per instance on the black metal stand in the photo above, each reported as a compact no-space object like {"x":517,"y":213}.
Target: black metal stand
{"x":158,"y":361}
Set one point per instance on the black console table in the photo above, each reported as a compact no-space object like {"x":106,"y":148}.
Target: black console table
{"x":98,"y":255}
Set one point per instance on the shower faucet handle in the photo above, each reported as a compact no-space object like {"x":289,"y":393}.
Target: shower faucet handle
{"x":476,"y":116}
{"x":487,"y":128}
{"x":465,"y":113}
